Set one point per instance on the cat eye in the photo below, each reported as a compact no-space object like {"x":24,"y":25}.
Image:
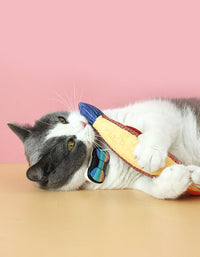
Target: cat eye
{"x":70,"y":145}
{"x":63,"y":120}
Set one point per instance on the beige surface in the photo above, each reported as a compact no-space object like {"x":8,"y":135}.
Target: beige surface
{"x":34,"y":222}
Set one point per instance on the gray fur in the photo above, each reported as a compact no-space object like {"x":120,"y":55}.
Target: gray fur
{"x":51,"y":164}
{"x":192,"y":103}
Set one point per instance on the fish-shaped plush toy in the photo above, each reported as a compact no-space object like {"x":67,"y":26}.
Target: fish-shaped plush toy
{"x":122,"y":140}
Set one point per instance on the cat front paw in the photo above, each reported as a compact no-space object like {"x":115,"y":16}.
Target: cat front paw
{"x":150,"y":157}
{"x":172,"y":182}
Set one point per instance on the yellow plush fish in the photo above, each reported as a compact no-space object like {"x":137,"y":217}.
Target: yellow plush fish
{"x":123,"y":140}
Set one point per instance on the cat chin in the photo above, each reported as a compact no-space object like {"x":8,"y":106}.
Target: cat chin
{"x":75,"y":183}
{"x":78,"y":179}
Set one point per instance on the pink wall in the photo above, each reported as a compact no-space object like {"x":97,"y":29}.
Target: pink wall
{"x":109,"y":52}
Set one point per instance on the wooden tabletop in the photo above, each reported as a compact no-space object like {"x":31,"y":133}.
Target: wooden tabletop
{"x":35,"y":222}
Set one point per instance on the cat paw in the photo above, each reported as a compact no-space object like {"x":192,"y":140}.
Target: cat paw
{"x":150,"y":157}
{"x":195,"y":174}
{"x":172,"y":182}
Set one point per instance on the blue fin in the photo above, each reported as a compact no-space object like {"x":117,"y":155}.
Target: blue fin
{"x":90,"y":112}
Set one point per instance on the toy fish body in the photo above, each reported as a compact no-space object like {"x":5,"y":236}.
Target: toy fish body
{"x":123,"y":140}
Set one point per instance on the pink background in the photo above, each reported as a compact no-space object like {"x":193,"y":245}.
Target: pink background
{"x":105,"y":52}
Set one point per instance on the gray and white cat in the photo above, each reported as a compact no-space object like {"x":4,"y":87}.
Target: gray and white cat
{"x":59,"y":146}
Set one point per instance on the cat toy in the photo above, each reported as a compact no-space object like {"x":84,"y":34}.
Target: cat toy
{"x":122,"y":140}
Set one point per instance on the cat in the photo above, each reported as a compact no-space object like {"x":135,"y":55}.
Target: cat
{"x":59,"y":146}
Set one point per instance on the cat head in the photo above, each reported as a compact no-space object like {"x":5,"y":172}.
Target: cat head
{"x":58,"y":148}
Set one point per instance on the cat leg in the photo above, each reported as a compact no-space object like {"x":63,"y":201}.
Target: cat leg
{"x":172,"y":182}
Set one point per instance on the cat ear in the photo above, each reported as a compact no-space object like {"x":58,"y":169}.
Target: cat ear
{"x":21,"y":132}
{"x":35,"y":173}
{"x":39,"y":171}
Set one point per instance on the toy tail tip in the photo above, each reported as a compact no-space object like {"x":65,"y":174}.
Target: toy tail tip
{"x":90,"y":112}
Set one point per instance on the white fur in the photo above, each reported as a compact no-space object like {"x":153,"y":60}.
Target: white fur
{"x":165,"y":128}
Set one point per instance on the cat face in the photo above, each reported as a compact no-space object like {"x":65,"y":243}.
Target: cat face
{"x":57,"y":148}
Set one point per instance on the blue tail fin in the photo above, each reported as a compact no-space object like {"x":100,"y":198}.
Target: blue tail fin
{"x":90,"y":112}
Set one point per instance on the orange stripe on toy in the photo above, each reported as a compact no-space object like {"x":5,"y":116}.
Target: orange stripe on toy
{"x":193,"y":190}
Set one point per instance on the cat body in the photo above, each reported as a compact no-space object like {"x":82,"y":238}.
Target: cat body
{"x":166,"y":126}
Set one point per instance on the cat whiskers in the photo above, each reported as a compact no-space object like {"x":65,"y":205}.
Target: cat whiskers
{"x":69,"y":101}
{"x":76,"y":100}
{"x":73,"y":99}
{"x":78,"y":94}
{"x":61,"y":102}
{"x":98,"y":143}
{"x":66,"y":101}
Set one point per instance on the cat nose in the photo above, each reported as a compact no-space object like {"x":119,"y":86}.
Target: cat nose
{"x":84,"y":124}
